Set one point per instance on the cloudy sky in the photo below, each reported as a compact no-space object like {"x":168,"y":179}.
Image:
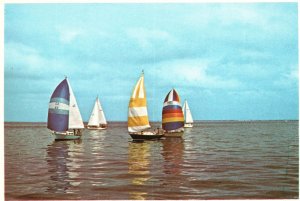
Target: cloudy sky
{"x":230,"y":61}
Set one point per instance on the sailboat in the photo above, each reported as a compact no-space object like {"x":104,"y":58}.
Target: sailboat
{"x":172,"y":116}
{"x":138,"y":122}
{"x":188,"y":119}
{"x":64,"y":118}
{"x":97,"y":119}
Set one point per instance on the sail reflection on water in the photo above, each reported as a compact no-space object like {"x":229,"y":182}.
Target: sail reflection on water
{"x":60,"y":167}
{"x":98,"y":139}
{"x":139,"y":162}
{"x":173,"y":149}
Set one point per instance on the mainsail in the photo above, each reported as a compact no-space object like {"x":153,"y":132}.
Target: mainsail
{"x":187,"y":113}
{"x":172,"y":116}
{"x":97,"y":117}
{"x":102,"y":119}
{"x":94,"y":118}
{"x":75,"y":119}
{"x":137,"y":110}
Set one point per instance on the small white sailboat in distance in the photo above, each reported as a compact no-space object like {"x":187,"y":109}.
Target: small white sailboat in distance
{"x":64,"y":118}
{"x":97,"y":119}
{"x":188,"y":119}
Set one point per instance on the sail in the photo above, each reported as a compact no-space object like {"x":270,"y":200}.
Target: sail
{"x":75,"y":119}
{"x":94,"y":118}
{"x":58,"y":113}
{"x":187,"y":113}
{"x":137,"y":111}
{"x":102,"y":119}
{"x":172,"y":116}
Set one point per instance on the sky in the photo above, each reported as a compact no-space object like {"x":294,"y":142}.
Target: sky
{"x":231,"y":61}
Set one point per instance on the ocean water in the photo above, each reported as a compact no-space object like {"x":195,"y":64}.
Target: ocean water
{"x":213,"y":160}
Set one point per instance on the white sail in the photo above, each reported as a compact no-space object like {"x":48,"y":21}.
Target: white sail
{"x":102,"y":119}
{"x":94,"y":118}
{"x":187,"y":113}
{"x":75,"y":119}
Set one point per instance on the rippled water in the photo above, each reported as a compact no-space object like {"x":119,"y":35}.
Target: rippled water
{"x":214,"y":160}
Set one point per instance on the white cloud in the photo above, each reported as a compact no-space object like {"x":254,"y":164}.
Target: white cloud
{"x":146,"y":38}
{"x":192,"y":72}
{"x":67,"y":35}
{"x":227,"y":14}
{"x":27,"y":61}
{"x":232,"y":14}
{"x":288,"y":79}
{"x":18,"y":54}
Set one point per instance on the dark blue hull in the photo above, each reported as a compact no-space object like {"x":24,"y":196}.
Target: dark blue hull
{"x":145,"y":137}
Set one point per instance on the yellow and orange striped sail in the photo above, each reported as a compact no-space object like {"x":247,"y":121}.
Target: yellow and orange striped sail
{"x":137,"y":110}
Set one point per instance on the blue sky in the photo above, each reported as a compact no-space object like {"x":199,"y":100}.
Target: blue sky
{"x":230,"y":61}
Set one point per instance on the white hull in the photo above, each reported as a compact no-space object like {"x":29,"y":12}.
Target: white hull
{"x":69,"y":135}
{"x":188,"y":125}
{"x":96,"y":128}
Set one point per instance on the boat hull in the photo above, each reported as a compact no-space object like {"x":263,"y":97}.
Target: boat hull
{"x":145,"y":137}
{"x":188,"y":125}
{"x":66,"y":136}
{"x":96,"y":128}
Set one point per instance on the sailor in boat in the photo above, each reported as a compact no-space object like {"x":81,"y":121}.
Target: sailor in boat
{"x":77,"y":131}
{"x":156,"y":131}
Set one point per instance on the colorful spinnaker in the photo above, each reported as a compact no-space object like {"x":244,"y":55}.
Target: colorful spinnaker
{"x":172,"y":116}
{"x":64,"y":118}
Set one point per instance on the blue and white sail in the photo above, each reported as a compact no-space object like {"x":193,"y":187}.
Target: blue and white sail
{"x":63,"y":113}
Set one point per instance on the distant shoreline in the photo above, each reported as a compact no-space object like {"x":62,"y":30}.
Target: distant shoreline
{"x":195,"y":121}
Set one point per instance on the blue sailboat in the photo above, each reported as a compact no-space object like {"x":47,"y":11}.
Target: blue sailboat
{"x":64,"y":118}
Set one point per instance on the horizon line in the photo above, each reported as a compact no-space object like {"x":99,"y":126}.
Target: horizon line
{"x":114,"y":121}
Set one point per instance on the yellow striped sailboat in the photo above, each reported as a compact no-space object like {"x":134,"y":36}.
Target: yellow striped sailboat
{"x":138,"y":121}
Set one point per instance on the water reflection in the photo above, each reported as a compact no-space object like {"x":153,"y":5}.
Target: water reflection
{"x":58,"y":160}
{"x":98,"y":139}
{"x":172,"y":152}
{"x":139,"y":162}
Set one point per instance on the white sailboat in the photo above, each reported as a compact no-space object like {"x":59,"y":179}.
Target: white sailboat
{"x":97,"y":119}
{"x":64,"y":118}
{"x":188,"y":119}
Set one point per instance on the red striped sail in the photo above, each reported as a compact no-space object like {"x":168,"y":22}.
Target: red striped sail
{"x":172,"y":116}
